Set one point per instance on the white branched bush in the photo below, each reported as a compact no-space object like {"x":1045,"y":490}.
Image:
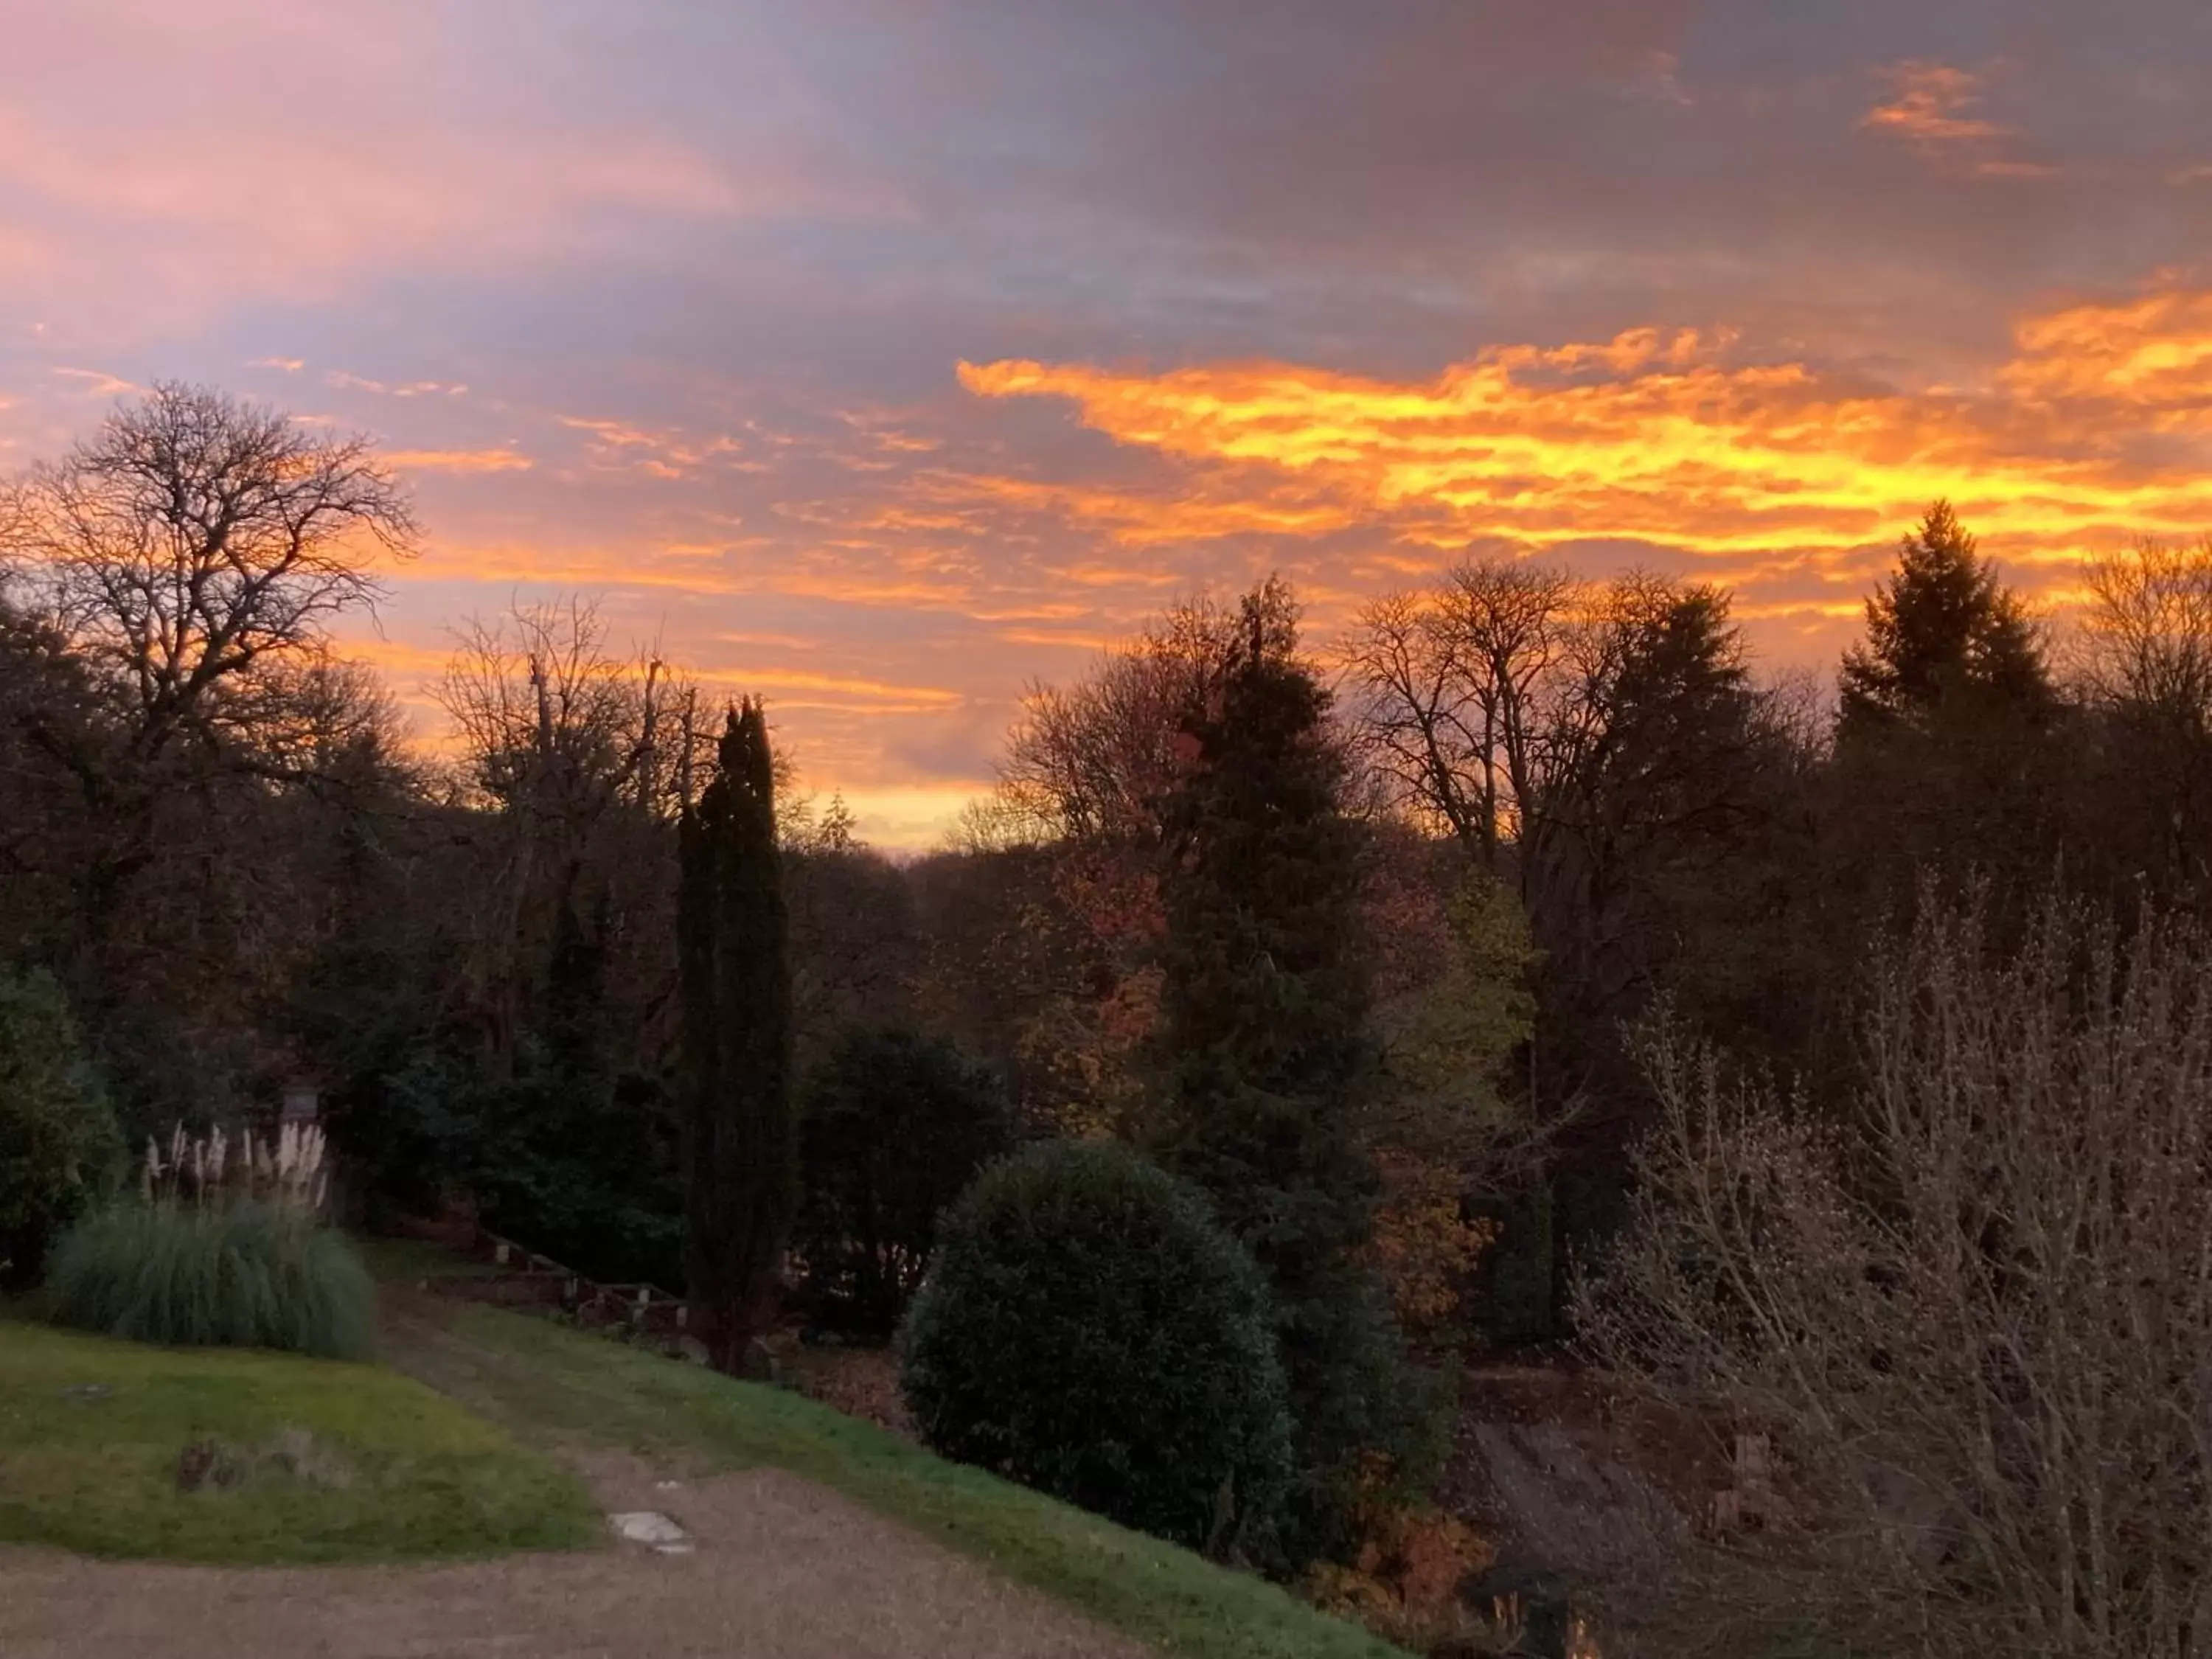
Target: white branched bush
{"x":222,"y":1248}
{"x":1974,"y":1316}
{"x":286,"y":1171}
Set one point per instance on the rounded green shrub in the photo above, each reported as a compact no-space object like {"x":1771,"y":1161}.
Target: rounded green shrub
{"x":242,"y":1275}
{"x":1088,"y":1329}
{"x":57,"y":1135}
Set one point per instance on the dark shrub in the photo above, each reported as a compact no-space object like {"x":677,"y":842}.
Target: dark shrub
{"x":566,"y":1154}
{"x":1088,"y":1329}
{"x":580,"y":1162}
{"x":246,"y":1274}
{"x":893,"y":1127}
{"x":57,"y":1135}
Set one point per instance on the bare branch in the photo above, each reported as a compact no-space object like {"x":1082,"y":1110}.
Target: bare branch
{"x":194,"y":538}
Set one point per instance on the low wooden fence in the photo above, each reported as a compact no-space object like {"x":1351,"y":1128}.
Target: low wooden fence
{"x":521,"y":1278}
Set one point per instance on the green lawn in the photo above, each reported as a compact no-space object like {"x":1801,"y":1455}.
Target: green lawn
{"x":91,"y":1430}
{"x":558,"y":1384}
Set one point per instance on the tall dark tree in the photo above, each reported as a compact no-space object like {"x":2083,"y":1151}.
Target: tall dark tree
{"x":1949,"y":757}
{"x":1659,"y":850}
{"x":741,"y":1144}
{"x":1944,"y":636}
{"x":1266,"y":1048}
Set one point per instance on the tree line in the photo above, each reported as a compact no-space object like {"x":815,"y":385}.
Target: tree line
{"x":1364,"y":936}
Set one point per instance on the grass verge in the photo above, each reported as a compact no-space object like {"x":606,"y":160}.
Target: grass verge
{"x":545,"y":1380}
{"x":91,"y":1431}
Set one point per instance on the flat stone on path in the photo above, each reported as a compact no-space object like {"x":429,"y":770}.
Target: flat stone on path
{"x":652,"y":1528}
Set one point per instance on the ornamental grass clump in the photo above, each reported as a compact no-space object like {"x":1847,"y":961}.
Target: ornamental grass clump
{"x":223,"y":1248}
{"x":288,"y":1172}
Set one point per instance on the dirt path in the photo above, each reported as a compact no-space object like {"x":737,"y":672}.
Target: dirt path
{"x":782,"y":1570}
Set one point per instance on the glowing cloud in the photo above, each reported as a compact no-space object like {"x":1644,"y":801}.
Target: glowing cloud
{"x":2101,"y":425}
{"x":98,"y":383}
{"x":458,"y":460}
{"x":1925,"y":103}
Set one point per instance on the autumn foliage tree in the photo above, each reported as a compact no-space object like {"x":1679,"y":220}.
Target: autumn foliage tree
{"x":1600,"y":752}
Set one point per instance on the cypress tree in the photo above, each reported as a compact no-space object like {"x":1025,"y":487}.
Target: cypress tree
{"x":741,"y":1140}
{"x":1266,"y":1053}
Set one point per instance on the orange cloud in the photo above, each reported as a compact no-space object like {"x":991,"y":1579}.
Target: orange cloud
{"x":339,"y":378}
{"x":100,"y":384}
{"x":458,"y":460}
{"x":2100,"y":426}
{"x":2154,"y":354}
{"x":800,"y":688}
{"x":1924,"y":108}
{"x":614,"y":444}
{"x":415,"y":665}
{"x":1133,"y":521}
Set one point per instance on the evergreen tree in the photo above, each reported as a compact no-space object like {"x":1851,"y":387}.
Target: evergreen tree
{"x":59,"y":1140}
{"x":577,"y":1153}
{"x":1951,"y":753}
{"x":1943,"y":635}
{"x":741,"y":1183}
{"x":1266,"y":1050}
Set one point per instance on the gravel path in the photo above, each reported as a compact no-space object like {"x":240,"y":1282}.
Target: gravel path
{"x":782,"y":1569}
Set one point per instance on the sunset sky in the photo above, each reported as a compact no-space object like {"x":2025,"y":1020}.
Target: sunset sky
{"x":880,"y":355}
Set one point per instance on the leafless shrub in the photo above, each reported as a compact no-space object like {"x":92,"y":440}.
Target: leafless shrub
{"x":1975,"y":1317}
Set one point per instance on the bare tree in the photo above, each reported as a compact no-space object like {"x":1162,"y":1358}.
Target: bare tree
{"x":547,"y":716}
{"x":1974,"y":1317}
{"x":194,"y":540}
{"x":2144,"y":652}
{"x":1593,"y":744}
{"x":190,"y":555}
{"x":582,"y":755}
{"x":1454,"y":692}
{"x":2147,"y":632}
{"x":316,"y":719}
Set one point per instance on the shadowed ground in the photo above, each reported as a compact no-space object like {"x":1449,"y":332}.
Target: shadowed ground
{"x":783,"y":1567}
{"x":815,"y":1535}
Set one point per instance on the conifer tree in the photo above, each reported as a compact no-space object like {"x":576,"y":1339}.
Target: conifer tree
{"x":1266,"y":1052}
{"x":1943,"y":638}
{"x":740,"y":1151}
